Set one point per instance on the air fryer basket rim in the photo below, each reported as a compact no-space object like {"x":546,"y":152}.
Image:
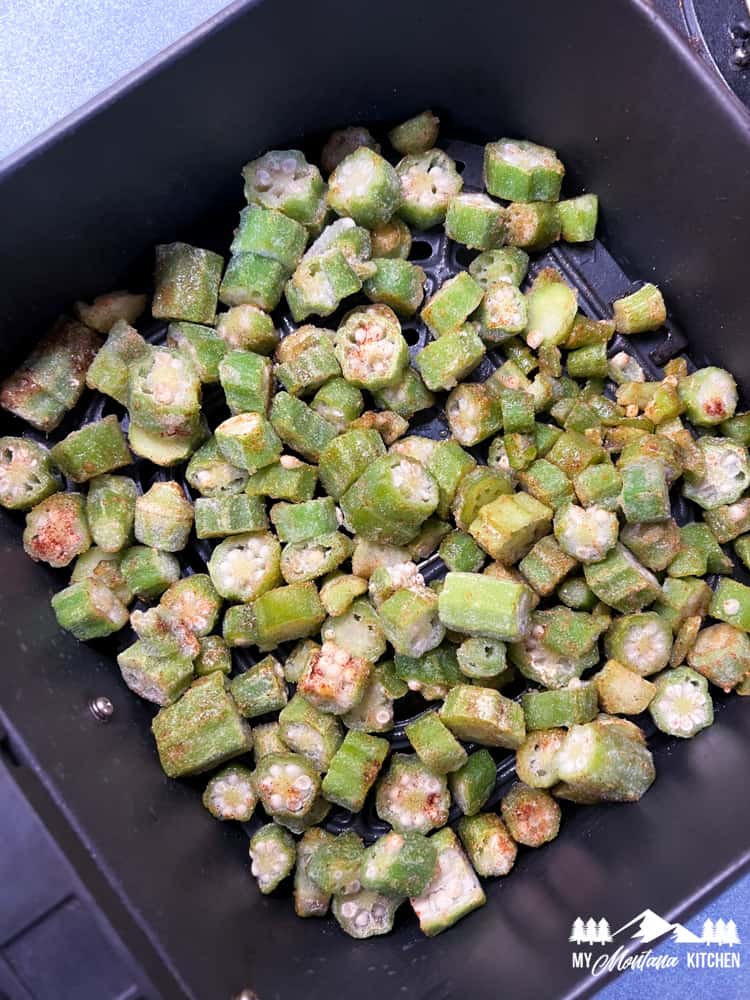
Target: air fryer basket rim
{"x":80,"y":673}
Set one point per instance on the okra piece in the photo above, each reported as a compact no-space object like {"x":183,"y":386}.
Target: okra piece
{"x":599,"y":763}
{"x":536,"y":758}
{"x":287,"y":785}
{"x":334,"y":680}
{"x":682,"y":599}
{"x":729,"y":521}
{"x":248,"y":441}
{"x":107,"y":310}
{"x":374,"y":711}
{"x":353,"y":769}
{"x":415,"y":135}
{"x":27,"y":473}
{"x":645,"y":492}
{"x":575,"y":593}
{"x":320,"y":283}
{"x":335,"y":866}
{"x":532,"y":227}
{"x":552,"y":308}
{"x":245,"y":566}
{"x":390,"y":500}
{"x":247,"y":328}
{"x":472,"y":784}
{"x":386,"y":580}
{"x":217,"y":517}
{"x":407,"y":396}
{"x":700,"y":538}
{"x":316,"y":815}
{"x":620,"y":581}
{"x":518,"y":170}
{"x":684,"y":640}
{"x":572,"y":705}
{"x":260,"y":689}
{"x":509,"y":526}
{"x":109,"y":372}
{"x":309,"y":899}
{"x":682,"y":705}
{"x":110,"y":510}
{"x":448,"y":360}
{"x":89,"y":610}
{"x":370,"y":347}
{"x":300,"y":428}
{"x":339,"y":403}
{"x":722,"y":654}
{"x":301,"y":521}
{"x":640,"y":642}
{"x":599,"y":486}
{"x":163,"y":634}
{"x":57,"y":529}
{"x":164,"y":394}
{"x":358,"y":630}
{"x":481,"y":658}
{"x":725,"y":477}
{"x":351,"y":240}
{"x":186,"y":280}
{"x":431,"y":675}
{"x":742,"y":548}
{"x":252,"y":279}
{"x":483,"y":715}
{"x":365,"y":187}
{"x":539,"y":662}
{"x":194,"y":602}
{"x":315,"y":557}
{"x":339,"y":591}
{"x":622,"y":691}
{"x":212,"y":475}
{"x":474,"y":604}
{"x":306,"y":730}
{"x":341,"y":142}
{"x":507,"y":264}
{"x":163,"y":517}
{"x":389,"y":425}
{"x":148,"y":572}
{"x":454,"y":890}
{"x":572,"y":634}
{"x":103,"y":568}
{"x":166,"y":449}
{"x":655,"y":545}
{"x":214,"y":655}
{"x":476,"y":221}
{"x":588,"y":362}
{"x":246,"y":380}
{"x":731,"y":604}
{"x":396,"y":283}
{"x":429,"y":180}
{"x":288,"y":479}
{"x":201,"y":344}
{"x":586,"y":534}
{"x":399,"y":864}
{"x":578,"y":217}
{"x":392,"y":240}
{"x":269,"y":233}
{"x":298,"y":659}
{"x":158,"y":676}
{"x":460,"y":553}
{"x":411,"y":797}
{"x":229,"y":794}
{"x":547,"y":483}
{"x":434,"y":744}
{"x":546,"y":565}
{"x":573,"y":452}
{"x":709,"y":396}
{"x":491,"y":849}
{"x":410,"y":621}
{"x":97,"y":448}
{"x":201,"y":730}
{"x":473,"y":413}
{"x":452,"y":304}
{"x":284,"y":180}
{"x":641,"y":311}
{"x":477,"y":487}
{"x":273,"y":853}
{"x":306,"y":360}
{"x":531,"y":815}
{"x":365,"y":914}
{"x":501,"y":314}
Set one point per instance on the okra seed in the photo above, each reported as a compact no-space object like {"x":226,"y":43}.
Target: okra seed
{"x":348,"y":909}
{"x":362,"y":919}
{"x":276,"y":801}
{"x":731,"y":607}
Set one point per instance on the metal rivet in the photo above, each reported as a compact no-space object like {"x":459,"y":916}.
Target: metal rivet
{"x":101,"y":708}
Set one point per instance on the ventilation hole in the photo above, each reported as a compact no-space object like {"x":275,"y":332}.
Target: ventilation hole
{"x":420,"y":250}
{"x":411,"y":336}
{"x":460,"y":166}
{"x":464,"y":256}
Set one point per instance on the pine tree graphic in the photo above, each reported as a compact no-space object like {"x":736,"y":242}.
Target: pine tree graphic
{"x":731,"y":936}
{"x":720,"y":931}
{"x":708,"y":936}
{"x":592,"y":933}
{"x":577,"y":932}
{"x":605,"y":934}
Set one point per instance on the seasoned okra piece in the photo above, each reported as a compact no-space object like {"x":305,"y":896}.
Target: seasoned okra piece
{"x":731,"y":603}
{"x":552,"y":308}
{"x":284,"y":180}
{"x":645,"y":492}
{"x":148,"y":572}
{"x":396,"y":283}
{"x":573,"y":452}
{"x":89,"y":610}
{"x":622,"y":691}
{"x":248,"y":441}
{"x":476,"y":221}
{"x":166,"y":449}
{"x":737,"y":427}
{"x":684,"y":640}
{"x":297,"y":660}
{"x":391,"y":241}
{"x":477,"y":487}
{"x":429,"y":180}
{"x":742,"y":548}
{"x":300,"y":428}
{"x":164,"y":395}
{"x":473,"y":413}
{"x":520,"y":450}
{"x":374,"y":712}
{"x":435,"y":744}
{"x":103,"y":568}
{"x":51,"y":379}
{"x":27,"y":474}
{"x":481,"y":658}
{"x":306,"y":360}
{"x":365,"y":187}
{"x":536,"y":758}
{"x":599,"y":486}
{"x":575,"y":593}
{"x":339,"y":402}
{"x":410,"y":621}
{"x":547,"y":483}
{"x":309,"y":899}
{"x":163,"y":517}
{"x":432,"y":675}
{"x":353,"y":769}
{"x":682,"y":705}
{"x":726,"y":475}
{"x":245,"y":566}
{"x":334,"y":680}
{"x":546,"y":565}
{"x":588,"y":362}
{"x":518,"y":170}
{"x":109,"y":372}
{"x":700,"y":539}
{"x":655,"y":545}
{"x":164,"y":634}
{"x":288,"y":479}
{"x":370,"y":347}
{"x":389,"y":425}
{"x":320,"y":283}
{"x":211,"y":474}
{"x":287,"y":785}
{"x":483,"y":715}
{"x":448,"y":360}
{"x":415,"y":135}
{"x":569,"y":706}
{"x":501,"y":314}
{"x":111,"y":308}
{"x":531,"y":815}
{"x":300,"y":521}
{"x":729,"y":521}
{"x":368,"y":556}
{"x":358,"y":630}
{"x":682,"y":599}
{"x":229,"y":795}
{"x":110,"y":509}
{"x":448,"y":464}
{"x":640,"y":642}
{"x":260,"y":689}
{"x":641,"y":311}
{"x":491,"y":849}
{"x":621,"y":581}
{"x":709,"y":396}
{"x":572,"y":634}
{"x":722,"y":654}
{"x":194,"y":602}
{"x":57,"y":529}
{"x":461,"y":553}
{"x":247,"y":328}
{"x":365,"y":914}
{"x":201,"y":344}
{"x":587,"y":332}
{"x":407,"y":396}
{"x":269,"y":233}
{"x":335,"y":866}
{"x":479,"y":605}
{"x":586,"y":534}
{"x":532,"y":227}
{"x":273,"y":853}
{"x":214,"y":655}
{"x":451,"y":305}
{"x":386,"y":580}
{"x":507,"y":527}
{"x":390,"y":500}
{"x":159,"y":676}
{"x":186,"y":283}
{"x":598,"y":763}
{"x":315,"y":734}
{"x":472,"y":784}
{"x":97,"y":448}
{"x":399,"y":864}
{"x":339,"y":591}
{"x":507,"y":264}
{"x":578,"y":217}
{"x":217,"y":517}
{"x":246,"y":380}
{"x":539,"y":662}
{"x":454,"y":890}
{"x":411,"y":797}
{"x":314,"y":557}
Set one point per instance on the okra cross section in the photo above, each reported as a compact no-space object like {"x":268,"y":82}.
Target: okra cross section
{"x":354,"y":769}
{"x":399,"y":864}
{"x":479,"y":605}
{"x":453,"y":891}
{"x":483,"y":715}
{"x":411,"y":797}
{"x":334,"y":680}
{"x":27,"y":473}
{"x":230,"y":795}
{"x":273,"y":854}
{"x":287,"y":785}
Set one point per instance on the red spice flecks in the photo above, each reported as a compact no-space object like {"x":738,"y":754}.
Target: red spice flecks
{"x":715,"y":408}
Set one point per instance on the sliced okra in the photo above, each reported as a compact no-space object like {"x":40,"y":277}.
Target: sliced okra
{"x":478,"y":486}
{"x":287,"y":785}
{"x":334,"y":680}
{"x":481,"y":658}
{"x":247,"y":328}
{"x":306,"y":360}
{"x":27,"y":473}
{"x":722,"y":654}
{"x":305,"y":729}
{"x":110,"y":308}
{"x":407,"y":396}
{"x":248,"y":441}
{"x":278,"y":615}
{"x":655,"y":544}
{"x":483,"y":715}
{"x":415,"y":135}
{"x":110,"y":509}
{"x":315,"y":557}
{"x":532,"y":226}
{"x":622,"y":691}
{"x":365,"y":914}
{"x":399,"y":864}
{"x":572,"y":705}
{"x":391,"y":241}
{"x":229,"y":794}
{"x":164,"y":395}
{"x":396,"y":283}
{"x":339,"y":402}
{"x":300,"y":428}
{"x":742,"y":549}
{"x":246,"y":380}
{"x":93,"y":450}
{"x":536,"y":758}
{"x":410,"y":621}
{"x":452,"y":304}
{"x":162,"y":633}
{"x":201,"y":344}
{"x":273,"y":853}
{"x":476,"y":604}
{"x":297,"y":660}
{"x":211,"y":474}
{"x":370,"y":347}
{"x":573,"y":452}
{"x":491,"y":849}
{"x":587,"y":332}
{"x":472,"y":784}
{"x":365,"y":187}
{"x":518,"y":170}
{"x":374,"y":711}
{"x":163,"y":517}
{"x":501,"y":314}
{"x":320,"y":284}
{"x":446,"y":361}
{"x":193,"y":601}
{"x":682,"y":599}
{"x":288,"y":479}
{"x":645,"y":492}
{"x":460,"y":553}
{"x":260,"y":689}
{"x":390,"y":500}
{"x":531,"y":815}
{"x":89,"y":610}
{"x":453,"y":891}
{"x":217,"y":517}
{"x":578,"y":217}
{"x":359,"y":631}
{"x":509,"y":526}
{"x":354,"y":769}
{"x":435,"y":744}
{"x":389,"y":425}
{"x":431,"y":675}
{"x":245,"y":566}
{"x":726,"y":474}
{"x":476,"y":221}
{"x":411,"y":797}
{"x":284,"y":180}
{"x":620,"y":581}
{"x":586,"y":534}
{"x":731,"y":604}
{"x":57,"y":529}
{"x":575,"y":593}
{"x":538,"y":662}
{"x":186,"y":281}
{"x":148,"y":572}
{"x":546,"y":565}
{"x":166,"y":449}
{"x":641,"y":311}
{"x":681,"y":705}
{"x":159,"y":677}
{"x":309,"y":899}
{"x":214,"y":655}
{"x":547,"y":483}
{"x":684,"y":640}
{"x":335,"y":866}
{"x":729,"y":521}
{"x":473,"y":413}
{"x":109,"y":372}
{"x":599,"y":763}
{"x":599,"y":486}
{"x":507,"y":264}
{"x":340,"y":590}
{"x":387,"y":579}
{"x":428,"y":182}
{"x":572,"y":634}
{"x":552,"y":308}
{"x":269,"y":233}
{"x":104,"y":568}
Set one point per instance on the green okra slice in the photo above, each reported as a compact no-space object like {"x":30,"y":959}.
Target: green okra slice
{"x":214,"y":655}
{"x":335,"y":866}
{"x":247,"y":328}
{"x":163,"y":517}
{"x":398,"y":864}
{"x":320,"y":283}
{"x":357,"y":630}
{"x":163,"y":633}
{"x":473,"y":413}
{"x":409,"y":618}
{"x":370,"y":347}
{"x":411,"y":797}
{"x":725,"y":477}
{"x":602,"y":764}
{"x":164,"y":394}
{"x":396,"y":283}
{"x":300,"y":428}
{"x":479,"y":605}
{"x":193,"y":601}
{"x":599,"y":486}
{"x":536,"y":758}
{"x":278,"y":615}
{"x":368,"y":556}
{"x":415,"y":135}
{"x":287,"y":785}
{"x":374,"y":711}
{"x":186,"y":280}
{"x":260,"y":689}
{"x":354,"y":769}
{"x":573,"y":452}
{"x":432,"y":675}
{"x":229,"y":794}
{"x":502,"y":313}
{"x":89,"y":610}
{"x":201,"y":730}
{"x":709,"y":396}
{"x":428,"y":182}
{"x":578,"y":217}
{"x":212,"y":475}
{"x":390,"y":500}
{"x":700,"y":538}
{"x":159,"y":677}
{"x":722,"y":654}
{"x":334,"y":680}
{"x":645,"y":492}
{"x":518,"y":170}
{"x":252,"y":279}
{"x":552,"y":308}
{"x":269,"y":233}
{"x":572,"y":634}
{"x":655,"y":544}
{"x":587,"y":332}
{"x":97,"y":448}
{"x":391,"y":241}
{"x":641,"y":311}
{"x":729,"y":521}
{"x":532,"y":226}
{"x":476,"y":221}
{"x":246,"y":379}
{"x":307,"y":730}
{"x":737,"y":427}
{"x":111,"y":308}
{"x":531,"y":815}
{"x":339,"y":590}
{"x":50,"y":380}
{"x":148,"y":572}
{"x":57,"y":529}
{"x":742,"y":548}
{"x":682,"y":599}
{"x":731,"y":604}
{"x":365,"y":187}
{"x":588,"y":362}
{"x":315,"y":557}
{"x":110,"y":510}
{"x":288,"y":479}
{"x":245,"y":566}
{"x":248,"y":441}
{"x":346,"y":457}
{"x":681,"y":705}
{"x":622,"y":691}
{"x":586,"y":534}
{"x":509,"y":526}
{"x":318,"y":812}
{"x":299,"y":522}
{"x":453,"y":891}
{"x":524,"y":358}
{"x":546,"y":565}
{"x":217,"y":517}
{"x":27,"y":473}
{"x":306,"y":360}
{"x":460,"y":553}
{"x":284,"y":180}
{"x":472,"y":784}
{"x":341,"y":142}
{"x":297,"y":660}
{"x":166,"y":449}
{"x":620,"y":581}
{"x":365,"y":914}
{"x":339,"y":402}
{"x":446,"y":361}
{"x":684,"y":640}
{"x":506,"y":264}
{"x":538,"y":662}
{"x":491,"y":849}
{"x":547,"y":483}
{"x":434,"y":744}
{"x":201,"y":344}
{"x":309,"y":899}
{"x":575,"y":593}
{"x":273,"y":853}
{"x":481,"y":658}
{"x":451,"y":305}
{"x":483,"y":715}
{"x":572,"y":705}
{"x":104,"y":568}
{"x":109,"y":372}
{"x":477,"y":487}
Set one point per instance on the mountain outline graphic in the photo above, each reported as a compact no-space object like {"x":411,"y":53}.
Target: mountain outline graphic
{"x":649,"y":926}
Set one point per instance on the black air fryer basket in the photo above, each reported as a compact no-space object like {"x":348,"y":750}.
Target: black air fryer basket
{"x":637,"y":118}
